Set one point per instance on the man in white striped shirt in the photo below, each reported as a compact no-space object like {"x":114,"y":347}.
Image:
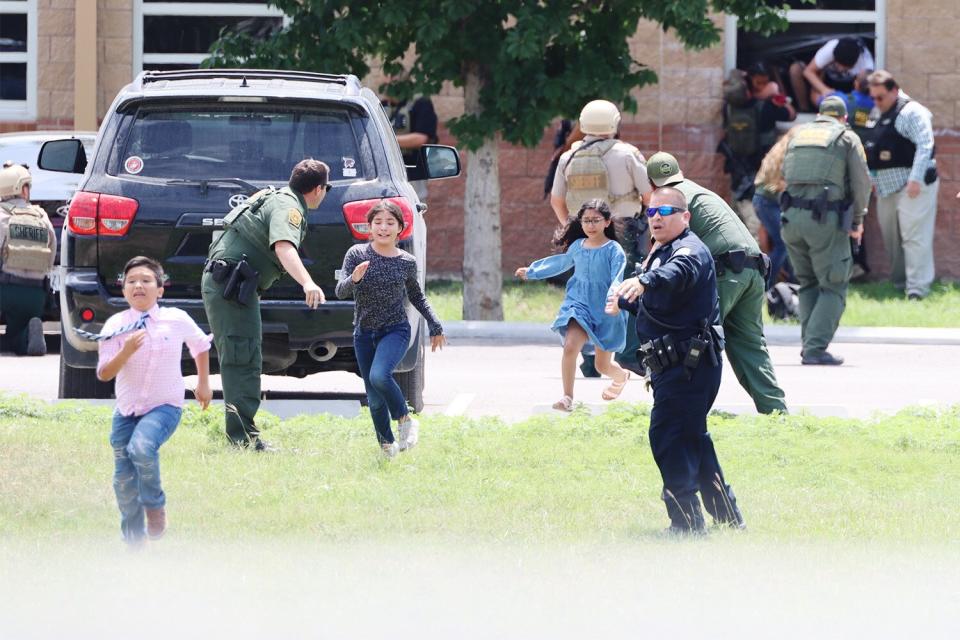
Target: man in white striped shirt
{"x":900,"y":154}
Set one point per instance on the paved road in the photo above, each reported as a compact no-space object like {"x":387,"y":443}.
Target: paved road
{"x":516,"y":381}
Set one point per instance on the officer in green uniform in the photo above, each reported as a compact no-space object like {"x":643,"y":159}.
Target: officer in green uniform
{"x":828,"y":190}
{"x":28,"y":248}
{"x":260,"y":242}
{"x":741,"y":269}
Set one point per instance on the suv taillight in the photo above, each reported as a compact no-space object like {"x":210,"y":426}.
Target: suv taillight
{"x":93,"y":213}
{"x":82,"y":216}
{"x":355,"y":215}
{"x":116,"y":214}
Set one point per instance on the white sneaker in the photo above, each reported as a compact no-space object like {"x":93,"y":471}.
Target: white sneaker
{"x":390,"y":449}
{"x":409,"y":433}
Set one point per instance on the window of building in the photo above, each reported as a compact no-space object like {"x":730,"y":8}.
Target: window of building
{"x":177,"y":35}
{"x":811,"y":26}
{"x":18,"y":60}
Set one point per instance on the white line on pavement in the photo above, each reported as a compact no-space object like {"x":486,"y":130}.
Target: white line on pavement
{"x":459,"y":404}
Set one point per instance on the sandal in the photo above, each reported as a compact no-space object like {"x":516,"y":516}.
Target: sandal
{"x":564,"y":404}
{"x":613,"y":391}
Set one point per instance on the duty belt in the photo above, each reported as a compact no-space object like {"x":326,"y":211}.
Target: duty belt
{"x":663,"y":353}
{"x":818,"y":206}
{"x":738,"y":260}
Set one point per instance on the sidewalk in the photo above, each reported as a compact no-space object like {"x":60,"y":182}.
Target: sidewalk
{"x":777,"y":334}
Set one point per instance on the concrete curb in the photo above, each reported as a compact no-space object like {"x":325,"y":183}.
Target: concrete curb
{"x":776,"y":334}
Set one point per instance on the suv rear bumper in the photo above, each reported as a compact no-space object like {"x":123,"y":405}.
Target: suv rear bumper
{"x":297,"y":341}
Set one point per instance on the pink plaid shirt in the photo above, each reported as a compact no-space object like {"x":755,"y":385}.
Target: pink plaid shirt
{"x":152,"y":375}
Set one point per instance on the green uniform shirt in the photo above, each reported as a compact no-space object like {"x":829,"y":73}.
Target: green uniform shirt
{"x":714,"y":222}
{"x":281,"y":217}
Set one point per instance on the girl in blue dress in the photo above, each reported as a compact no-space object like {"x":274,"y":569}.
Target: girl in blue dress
{"x":598,"y":263}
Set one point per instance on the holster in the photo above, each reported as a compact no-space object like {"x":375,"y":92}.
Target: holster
{"x":930,"y":176}
{"x":241,"y":283}
{"x":846,"y":219}
{"x":219,"y":270}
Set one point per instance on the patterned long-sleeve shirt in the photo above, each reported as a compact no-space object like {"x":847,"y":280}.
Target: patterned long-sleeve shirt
{"x":915,"y":123}
{"x":381,"y":292}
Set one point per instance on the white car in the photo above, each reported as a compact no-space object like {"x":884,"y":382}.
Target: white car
{"x":50,"y":189}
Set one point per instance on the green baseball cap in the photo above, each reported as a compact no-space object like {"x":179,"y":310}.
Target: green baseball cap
{"x":833,"y":106}
{"x":663,"y":168}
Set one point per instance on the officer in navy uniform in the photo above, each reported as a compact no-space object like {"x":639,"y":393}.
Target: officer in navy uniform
{"x":678,"y":317}
{"x":414,"y":122}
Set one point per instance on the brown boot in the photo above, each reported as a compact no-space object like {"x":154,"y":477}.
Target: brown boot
{"x":156,"y":523}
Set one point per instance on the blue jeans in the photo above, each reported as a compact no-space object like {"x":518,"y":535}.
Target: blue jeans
{"x":769,"y":213}
{"x":136,"y":477}
{"x":379,"y":351}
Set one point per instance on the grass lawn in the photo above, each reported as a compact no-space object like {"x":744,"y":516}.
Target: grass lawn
{"x":868,"y":305}
{"x":580,"y":479}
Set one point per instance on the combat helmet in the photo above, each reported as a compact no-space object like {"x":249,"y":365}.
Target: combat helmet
{"x":12,"y":178}
{"x":600,"y":118}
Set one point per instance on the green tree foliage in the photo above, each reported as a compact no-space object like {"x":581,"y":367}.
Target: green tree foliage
{"x":535,"y":60}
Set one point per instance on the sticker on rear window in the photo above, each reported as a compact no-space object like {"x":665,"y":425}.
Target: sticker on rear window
{"x":133,"y":164}
{"x":349,"y":167}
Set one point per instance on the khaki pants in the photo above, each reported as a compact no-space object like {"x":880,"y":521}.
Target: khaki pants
{"x":748,"y":214}
{"x":907,"y":225}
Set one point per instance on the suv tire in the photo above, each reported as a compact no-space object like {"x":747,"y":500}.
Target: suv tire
{"x":411,"y":382}
{"x":80,"y":383}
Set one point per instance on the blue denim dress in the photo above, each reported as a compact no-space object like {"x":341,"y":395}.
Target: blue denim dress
{"x":596,"y":272}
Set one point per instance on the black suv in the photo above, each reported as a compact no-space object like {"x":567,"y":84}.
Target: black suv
{"x":177,"y":150}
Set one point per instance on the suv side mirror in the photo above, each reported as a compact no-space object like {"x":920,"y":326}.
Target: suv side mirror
{"x":66,"y":156}
{"x":435,"y":161}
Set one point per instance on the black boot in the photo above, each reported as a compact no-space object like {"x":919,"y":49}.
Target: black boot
{"x":685,"y":514}
{"x":588,"y":368}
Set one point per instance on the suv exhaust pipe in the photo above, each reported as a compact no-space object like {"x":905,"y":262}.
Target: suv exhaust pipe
{"x":322,"y":350}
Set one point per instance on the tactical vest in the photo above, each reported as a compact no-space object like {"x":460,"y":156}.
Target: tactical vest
{"x":742,"y":129}
{"x":254,"y":237}
{"x":814,"y":158}
{"x":859,"y":107}
{"x":884,"y":145}
{"x":400,"y":117}
{"x":26,"y":249}
{"x":587,"y":177}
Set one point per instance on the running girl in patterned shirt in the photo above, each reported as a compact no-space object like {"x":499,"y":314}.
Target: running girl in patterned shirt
{"x":591,"y":249}
{"x":380,"y":277}
{"x":141,"y":347}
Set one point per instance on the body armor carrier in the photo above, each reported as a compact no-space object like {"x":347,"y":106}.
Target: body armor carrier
{"x":587,"y":177}
{"x":26,"y":250}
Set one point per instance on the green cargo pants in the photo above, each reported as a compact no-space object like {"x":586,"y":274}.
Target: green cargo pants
{"x":237,"y":334}
{"x":19,"y":304}
{"x":741,"y":310}
{"x":821,"y":258}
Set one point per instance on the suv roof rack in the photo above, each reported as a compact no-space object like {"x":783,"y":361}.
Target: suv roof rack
{"x":350,"y":81}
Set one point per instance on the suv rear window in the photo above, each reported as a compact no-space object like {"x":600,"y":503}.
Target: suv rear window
{"x":251,"y":142}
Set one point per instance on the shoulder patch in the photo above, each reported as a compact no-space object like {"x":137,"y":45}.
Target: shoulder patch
{"x":294,"y":217}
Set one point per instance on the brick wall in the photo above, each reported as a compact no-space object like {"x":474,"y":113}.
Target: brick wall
{"x":923,"y":57}
{"x":114,"y":50}
{"x":55,"y":19}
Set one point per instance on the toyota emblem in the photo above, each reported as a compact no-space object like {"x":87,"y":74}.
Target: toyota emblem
{"x":236,"y":200}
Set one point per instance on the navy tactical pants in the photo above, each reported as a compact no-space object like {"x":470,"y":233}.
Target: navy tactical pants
{"x":683,"y":449}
